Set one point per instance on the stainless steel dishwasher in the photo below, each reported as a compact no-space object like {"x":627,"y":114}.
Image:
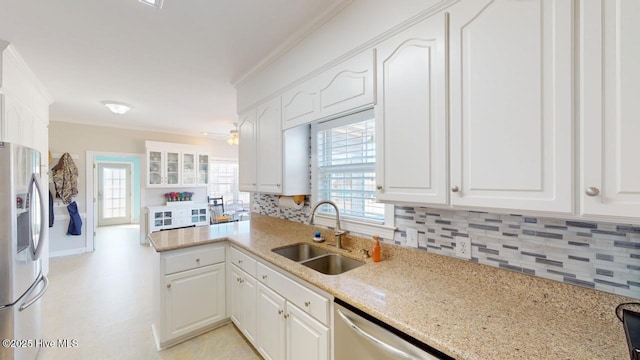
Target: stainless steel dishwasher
{"x":359,"y":336}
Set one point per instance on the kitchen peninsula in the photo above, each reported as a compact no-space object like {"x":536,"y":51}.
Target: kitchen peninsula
{"x":464,"y":309}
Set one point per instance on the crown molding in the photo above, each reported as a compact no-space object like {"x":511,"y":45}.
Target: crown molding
{"x":293,"y":40}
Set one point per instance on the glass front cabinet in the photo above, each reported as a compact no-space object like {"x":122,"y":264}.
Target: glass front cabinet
{"x":174,"y":165}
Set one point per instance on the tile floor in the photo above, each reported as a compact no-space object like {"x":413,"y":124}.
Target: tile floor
{"x":102,"y":301}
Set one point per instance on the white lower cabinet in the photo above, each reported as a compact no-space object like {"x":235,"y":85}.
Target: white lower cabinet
{"x":281,"y":317}
{"x":191,"y":292}
{"x":287,"y":332}
{"x":307,"y":338}
{"x":184,"y":311}
{"x":243,"y":302}
{"x":271,"y":324}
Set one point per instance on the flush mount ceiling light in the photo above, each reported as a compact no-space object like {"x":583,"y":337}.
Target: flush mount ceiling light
{"x":117,"y":107}
{"x":234,"y":136}
{"x":154,"y":3}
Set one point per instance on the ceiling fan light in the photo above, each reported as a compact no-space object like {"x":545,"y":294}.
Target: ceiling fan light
{"x":234,"y":136}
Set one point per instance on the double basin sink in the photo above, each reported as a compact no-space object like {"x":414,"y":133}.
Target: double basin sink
{"x":318,"y":258}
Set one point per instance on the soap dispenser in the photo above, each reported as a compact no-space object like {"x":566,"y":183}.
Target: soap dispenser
{"x":375,"y":252}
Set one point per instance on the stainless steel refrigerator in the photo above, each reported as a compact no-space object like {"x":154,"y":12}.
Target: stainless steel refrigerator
{"x":23,"y":232}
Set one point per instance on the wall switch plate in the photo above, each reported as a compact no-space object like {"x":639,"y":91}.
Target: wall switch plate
{"x":463,"y":247}
{"x":412,"y":238}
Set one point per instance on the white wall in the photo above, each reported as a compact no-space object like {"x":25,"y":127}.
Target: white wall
{"x":358,"y":24}
{"x":77,"y":139}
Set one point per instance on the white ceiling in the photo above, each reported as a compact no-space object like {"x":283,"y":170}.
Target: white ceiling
{"x":174,"y":65}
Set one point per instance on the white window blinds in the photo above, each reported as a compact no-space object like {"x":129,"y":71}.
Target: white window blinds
{"x":346,"y":161}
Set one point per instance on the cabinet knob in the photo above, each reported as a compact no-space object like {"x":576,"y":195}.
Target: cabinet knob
{"x":239,"y":261}
{"x":379,"y":187}
{"x":280,"y":312}
{"x":238,"y":279}
{"x":592,"y":191}
{"x":241,"y":281}
{"x":168,"y":286}
{"x":307,"y":303}
{"x":278,"y":185}
{"x":286,"y":316}
{"x":264,"y":277}
{"x":455,"y":188}
{"x":198,"y":260}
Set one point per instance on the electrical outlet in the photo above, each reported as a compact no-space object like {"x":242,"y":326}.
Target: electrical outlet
{"x":463,"y":247}
{"x":412,"y":238}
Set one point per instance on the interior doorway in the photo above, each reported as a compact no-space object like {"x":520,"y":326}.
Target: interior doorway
{"x":114,"y":194}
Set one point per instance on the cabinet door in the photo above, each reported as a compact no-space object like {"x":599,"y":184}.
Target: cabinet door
{"x":235,"y":275}
{"x":271,"y":324}
{"x":249,"y":295}
{"x":203,"y":169}
{"x":247,"y":151}
{"x":347,"y":86}
{"x":155,"y":168}
{"x":411,"y":119}
{"x":172,"y":168}
{"x":306,"y":337}
{"x":188,"y":168}
{"x":300,"y":105}
{"x":243,"y":305}
{"x":269,"y":147}
{"x":194,"y":299}
{"x":512,"y":104}
{"x":610,"y":89}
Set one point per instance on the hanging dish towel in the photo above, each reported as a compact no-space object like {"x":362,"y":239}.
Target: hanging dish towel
{"x":75,"y":223}
{"x":65,"y":178}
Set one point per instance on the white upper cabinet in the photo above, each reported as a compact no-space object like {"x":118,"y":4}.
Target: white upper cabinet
{"x":511,"y":104}
{"x":342,"y":88}
{"x":301,"y":105}
{"x":269,"y":147}
{"x":247,"y":151}
{"x":24,"y":103}
{"x":610,"y":107}
{"x":271,"y":160}
{"x":174,"y":165}
{"x":411,"y":123}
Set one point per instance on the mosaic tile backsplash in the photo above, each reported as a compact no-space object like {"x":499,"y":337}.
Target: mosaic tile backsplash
{"x":598,"y":255}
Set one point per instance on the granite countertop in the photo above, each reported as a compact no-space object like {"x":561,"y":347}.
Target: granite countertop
{"x":464,"y":309}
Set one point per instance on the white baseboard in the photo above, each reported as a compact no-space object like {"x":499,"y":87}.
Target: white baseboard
{"x":53,"y":254}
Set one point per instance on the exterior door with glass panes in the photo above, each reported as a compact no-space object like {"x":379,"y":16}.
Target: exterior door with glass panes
{"x":114,"y":194}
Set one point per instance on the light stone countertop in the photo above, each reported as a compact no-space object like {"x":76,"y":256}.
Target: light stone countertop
{"x":464,"y":309}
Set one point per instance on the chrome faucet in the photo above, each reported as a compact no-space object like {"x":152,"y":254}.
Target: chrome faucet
{"x":338,"y":232}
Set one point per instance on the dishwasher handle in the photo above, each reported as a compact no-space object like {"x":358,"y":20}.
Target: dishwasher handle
{"x":372,"y":338}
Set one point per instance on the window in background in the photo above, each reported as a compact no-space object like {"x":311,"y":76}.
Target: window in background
{"x":223,"y":181}
{"x":345,"y":167}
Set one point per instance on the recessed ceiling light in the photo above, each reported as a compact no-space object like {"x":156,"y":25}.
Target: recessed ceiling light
{"x":154,"y":3}
{"x":117,"y":107}
{"x":205,"y":133}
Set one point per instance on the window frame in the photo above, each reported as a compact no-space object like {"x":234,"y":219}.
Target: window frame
{"x":385,"y":229}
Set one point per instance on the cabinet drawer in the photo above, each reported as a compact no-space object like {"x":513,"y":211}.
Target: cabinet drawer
{"x":192,"y":259}
{"x":312,"y":303}
{"x":243,"y":261}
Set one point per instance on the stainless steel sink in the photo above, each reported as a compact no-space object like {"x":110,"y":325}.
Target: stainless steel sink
{"x":332,"y":264}
{"x":318,"y":259}
{"x":300,"y":252}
